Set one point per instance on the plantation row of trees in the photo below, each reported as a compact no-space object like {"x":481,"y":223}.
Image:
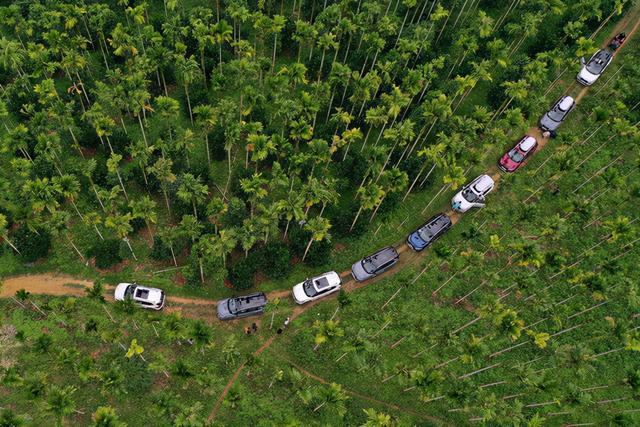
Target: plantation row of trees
{"x":228,"y":128}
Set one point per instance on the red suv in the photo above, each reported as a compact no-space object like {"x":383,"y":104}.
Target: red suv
{"x":516,"y":156}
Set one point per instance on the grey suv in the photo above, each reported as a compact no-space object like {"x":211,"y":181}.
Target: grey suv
{"x":375,"y":264}
{"x":554,"y":117}
{"x":429,"y":232}
{"x":237,"y":307}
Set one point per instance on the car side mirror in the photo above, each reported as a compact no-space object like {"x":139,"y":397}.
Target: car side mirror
{"x":582,"y":61}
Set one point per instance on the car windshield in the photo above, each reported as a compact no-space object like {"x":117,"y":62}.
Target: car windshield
{"x":557,"y":115}
{"x":232,"y":304}
{"x":516,"y":155}
{"x":129,"y":291}
{"x":369,"y":264}
{"x":597,"y":63}
{"x":469,"y":195}
{"x":309,"y":289}
{"x":426,"y":234}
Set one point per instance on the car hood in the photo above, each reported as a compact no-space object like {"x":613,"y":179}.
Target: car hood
{"x":459,"y":203}
{"x":298,"y":293}
{"x":359,"y":272}
{"x":547,"y":124}
{"x":120,"y":289}
{"x":587,"y":76}
{"x":155,"y":296}
{"x":415,"y":241}
{"x":508,"y":163}
{"x":223,"y":309}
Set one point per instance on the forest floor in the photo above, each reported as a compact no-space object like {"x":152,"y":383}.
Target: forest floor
{"x":62,"y":285}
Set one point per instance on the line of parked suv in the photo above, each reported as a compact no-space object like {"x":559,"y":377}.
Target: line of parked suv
{"x":472,"y":195}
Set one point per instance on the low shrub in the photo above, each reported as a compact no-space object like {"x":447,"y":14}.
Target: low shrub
{"x":274,"y":260}
{"x":106,"y":252}
{"x":32,"y":245}
{"x":319,"y":253}
{"x":160,"y":251}
{"x":241,"y":274}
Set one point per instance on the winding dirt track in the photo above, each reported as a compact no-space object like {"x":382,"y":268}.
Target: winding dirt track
{"x":60,"y":285}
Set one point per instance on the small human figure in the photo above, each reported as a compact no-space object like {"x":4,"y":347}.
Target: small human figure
{"x":286,"y":322}
{"x":254,"y":327}
{"x":247,"y":330}
{"x":546,"y":134}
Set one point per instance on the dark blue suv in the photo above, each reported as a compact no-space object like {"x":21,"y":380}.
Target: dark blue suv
{"x":429,"y":232}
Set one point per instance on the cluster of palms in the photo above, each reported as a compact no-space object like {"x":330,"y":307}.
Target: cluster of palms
{"x":91,"y":70}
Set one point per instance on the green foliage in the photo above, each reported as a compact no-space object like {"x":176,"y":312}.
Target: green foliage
{"x":106,"y":252}
{"x":160,"y":251}
{"x":33,"y":244}
{"x":241,"y":274}
{"x":273,"y":259}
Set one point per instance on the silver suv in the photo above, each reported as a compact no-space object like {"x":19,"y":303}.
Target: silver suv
{"x":375,"y":264}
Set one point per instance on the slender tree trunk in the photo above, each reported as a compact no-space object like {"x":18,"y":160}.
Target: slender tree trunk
{"x":186,"y":91}
{"x":355,"y":219}
{"x":130,"y":248}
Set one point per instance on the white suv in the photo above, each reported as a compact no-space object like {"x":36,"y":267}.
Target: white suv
{"x":316,"y":287}
{"x":142,"y":296}
{"x":472,"y":195}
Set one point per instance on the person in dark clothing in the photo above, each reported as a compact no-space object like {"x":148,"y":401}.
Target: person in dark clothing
{"x":254,"y":327}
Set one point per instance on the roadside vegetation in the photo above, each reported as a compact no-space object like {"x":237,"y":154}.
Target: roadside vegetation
{"x":214,"y":149}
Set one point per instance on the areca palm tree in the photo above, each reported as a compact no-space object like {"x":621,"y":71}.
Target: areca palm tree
{"x":393,"y":181}
{"x":162,"y":170}
{"x":69,"y":188}
{"x":168,"y":108}
{"x":121,"y":225}
{"x":169,"y":235}
{"x":222,"y":33}
{"x":206,"y":118}
{"x":319,"y":228}
{"x":326,"y":41}
{"x":203,"y":33}
{"x":191,"y":227}
{"x":188,"y":72}
{"x":113,"y":166}
{"x":370,"y":196}
{"x":141,"y":154}
{"x":254,"y":187}
{"x":224,"y":243}
{"x":277,"y":25}
{"x":58,"y":224}
{"x":145,"y":209}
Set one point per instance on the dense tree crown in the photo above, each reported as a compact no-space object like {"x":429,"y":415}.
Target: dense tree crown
{"x":243,"y":141}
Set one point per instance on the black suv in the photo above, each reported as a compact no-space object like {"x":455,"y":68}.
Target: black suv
{"x":237,"y":307}
{"x":375,"y":264}
{"x":429,"y":232}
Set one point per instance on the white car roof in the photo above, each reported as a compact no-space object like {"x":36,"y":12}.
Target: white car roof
{"x":527,"y":143}
{"x":483,"y":182}
{"x":327,"y":280}
{"x":565,"y":103}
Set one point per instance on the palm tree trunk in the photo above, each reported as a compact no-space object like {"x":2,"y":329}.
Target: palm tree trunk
{"x":186,"y":91}
{"x":130,"y":248}
{"x":173,"y":255}
{"x":355,"y":219}
{"x":11,"y":244}
{"x":206,"y":144}
{"x":375,"y":211}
